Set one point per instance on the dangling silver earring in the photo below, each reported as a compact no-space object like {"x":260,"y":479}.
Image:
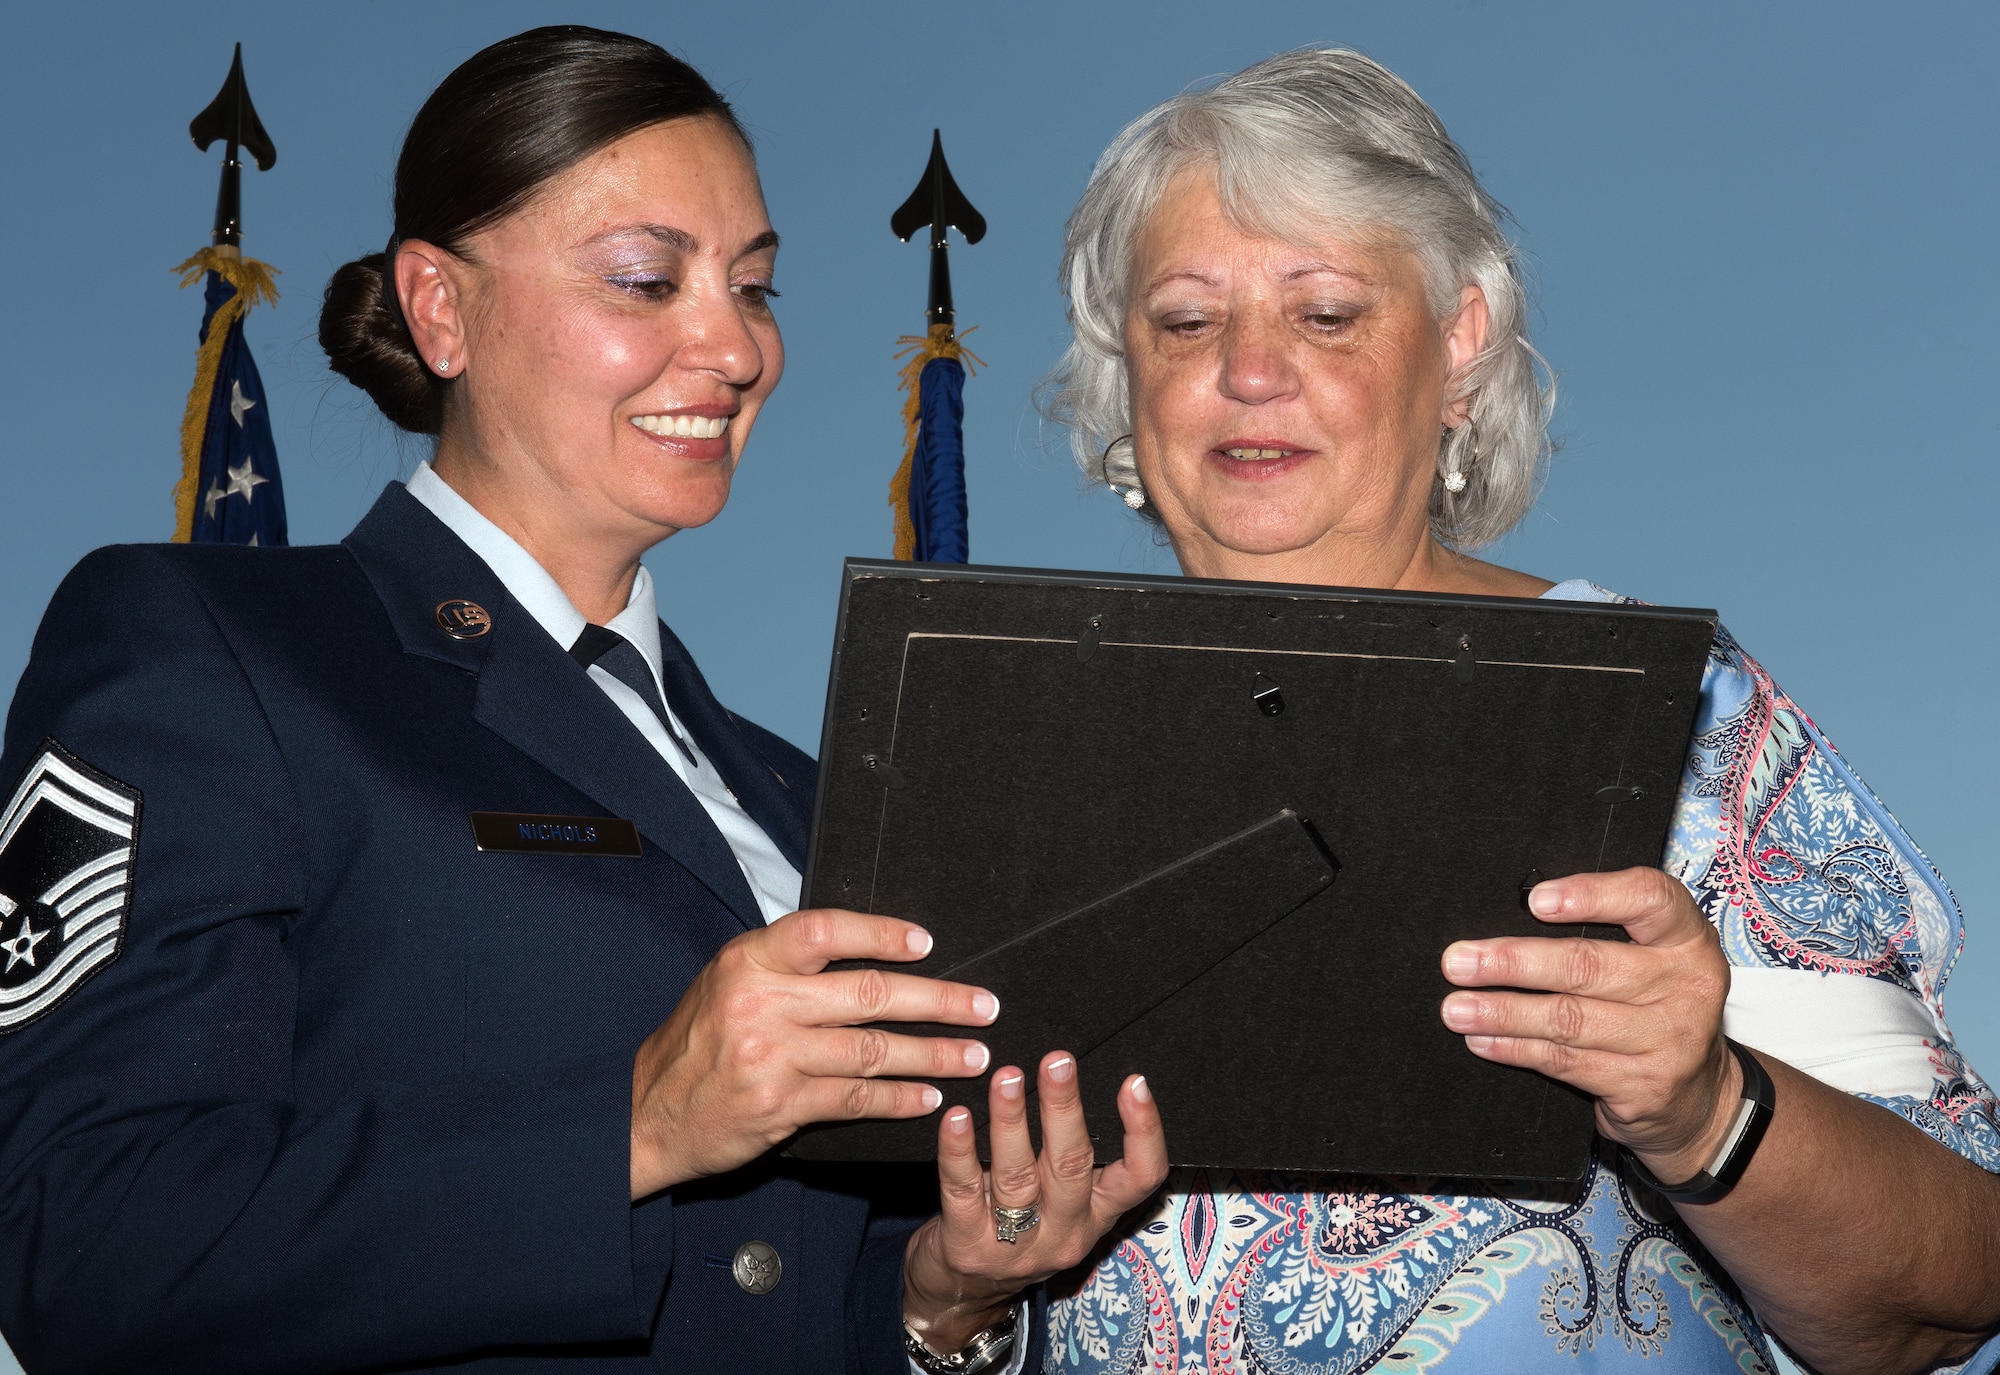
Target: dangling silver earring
{"x":1454,"y":477}
{"x":1121,"y":471}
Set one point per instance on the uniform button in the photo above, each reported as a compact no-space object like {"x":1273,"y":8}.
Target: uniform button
{"x":757,"y":1268}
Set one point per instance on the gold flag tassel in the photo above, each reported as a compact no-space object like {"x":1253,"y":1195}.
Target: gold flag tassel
{"x":253,"y":283}
{"x":919,"y":349}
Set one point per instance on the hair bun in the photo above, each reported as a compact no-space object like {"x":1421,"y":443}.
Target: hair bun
{"x":367,"y":343}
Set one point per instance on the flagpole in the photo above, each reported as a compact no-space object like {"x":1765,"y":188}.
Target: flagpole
{"x":228,"y":393}
{"x":928,"y":491}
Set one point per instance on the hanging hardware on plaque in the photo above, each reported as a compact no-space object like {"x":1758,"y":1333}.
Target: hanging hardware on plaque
{"x":1619,"y":792}
{"x":1270,"y":699}
{"x":1086,"y":643}
{"x":1461,"y":659}
{"x":891,"y":776}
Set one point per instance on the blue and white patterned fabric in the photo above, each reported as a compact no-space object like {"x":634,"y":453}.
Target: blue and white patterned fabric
{"x":1840,"y":935}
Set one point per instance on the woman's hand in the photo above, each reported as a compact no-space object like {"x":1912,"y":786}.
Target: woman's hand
{"x":764,"y":1042}
{"x":958,"y":1277}
{"x":1638,"y":1027}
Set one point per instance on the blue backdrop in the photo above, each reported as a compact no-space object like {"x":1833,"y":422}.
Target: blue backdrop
{"x":1762,"y":235}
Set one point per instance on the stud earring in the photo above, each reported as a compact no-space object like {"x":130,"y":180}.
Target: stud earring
{"x":444,"y":364}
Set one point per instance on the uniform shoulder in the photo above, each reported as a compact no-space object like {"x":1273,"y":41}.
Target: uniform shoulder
{"x":196,"y":564}
{"x":125,"y":602}
{"x":157,"y":575}
{"x":138,"y":636}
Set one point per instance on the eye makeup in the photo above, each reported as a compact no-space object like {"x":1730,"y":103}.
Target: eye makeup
{"x":653,"y":285}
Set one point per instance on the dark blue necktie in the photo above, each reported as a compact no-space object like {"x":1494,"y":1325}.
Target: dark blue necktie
{"x":620,"y":658}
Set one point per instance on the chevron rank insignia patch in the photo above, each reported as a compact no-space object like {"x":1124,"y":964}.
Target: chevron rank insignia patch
{"x":66,"y":843}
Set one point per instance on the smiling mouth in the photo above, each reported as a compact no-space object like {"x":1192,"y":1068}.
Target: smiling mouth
{"x":1258,"y":455}
{"x":683,"y":426}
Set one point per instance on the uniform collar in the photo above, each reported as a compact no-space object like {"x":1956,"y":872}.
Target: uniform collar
{"x":528,"y":582}
{"x":531,"y":693}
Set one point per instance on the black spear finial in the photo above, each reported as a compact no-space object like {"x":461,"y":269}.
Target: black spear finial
{"x":939,"y":203}
{"x":232,"y":118}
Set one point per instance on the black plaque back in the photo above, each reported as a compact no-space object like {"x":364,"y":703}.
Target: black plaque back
{"x":1005,"y":748}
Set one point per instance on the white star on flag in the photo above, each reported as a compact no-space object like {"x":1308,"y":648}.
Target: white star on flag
{"x":242,"y":478}
{"x":238,"y":402}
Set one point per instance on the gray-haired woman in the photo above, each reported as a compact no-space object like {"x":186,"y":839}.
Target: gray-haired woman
{"x":1301,"y":347}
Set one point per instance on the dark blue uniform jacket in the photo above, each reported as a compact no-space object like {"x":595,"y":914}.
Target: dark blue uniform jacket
{"x":352,"y":1095}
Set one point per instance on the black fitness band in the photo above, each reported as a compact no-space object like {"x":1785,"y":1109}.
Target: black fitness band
{"x":1753,"y":1115}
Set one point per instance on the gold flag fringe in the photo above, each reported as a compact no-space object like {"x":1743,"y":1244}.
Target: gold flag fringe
{"x":919,"y":349}
{"x":253,"y":283}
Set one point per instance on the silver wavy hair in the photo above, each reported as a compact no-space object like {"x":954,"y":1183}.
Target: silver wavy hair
{"x":1306,"y":145}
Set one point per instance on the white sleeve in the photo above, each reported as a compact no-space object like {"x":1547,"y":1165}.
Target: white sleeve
{"x":1850,"y":1032}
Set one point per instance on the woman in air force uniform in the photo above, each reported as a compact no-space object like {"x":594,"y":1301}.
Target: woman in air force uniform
{"x":398,"y":961}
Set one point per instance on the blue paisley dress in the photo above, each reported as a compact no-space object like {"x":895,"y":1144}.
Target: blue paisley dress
{"x":1802,"y":870}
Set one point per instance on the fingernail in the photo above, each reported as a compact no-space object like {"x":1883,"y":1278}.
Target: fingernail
{"x":919,"y":941}
{"x":1545,"y":899}
{"x":976,"y":1057}
{"x":931,"y":1098}
{"x":1461,"y":961}
{"x":1063,"y":1070}
{"x":985,"y":1006}
{"x":1010,"y":1084}
{"x":1479,"y":1045}
{"x":1461,"y":1013}
{"x":1141,"y":1090}
{"x":958,"y":1120}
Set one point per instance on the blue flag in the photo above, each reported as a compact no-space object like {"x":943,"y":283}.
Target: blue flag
{"x":937,"y":469}
{"x":928,"y":491}
{"x":230,"y":492}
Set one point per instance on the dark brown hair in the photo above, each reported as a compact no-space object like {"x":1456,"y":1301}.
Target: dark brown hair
{"x":507,"y":120}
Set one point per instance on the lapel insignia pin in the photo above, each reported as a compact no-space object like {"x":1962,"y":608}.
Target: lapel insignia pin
{"x":66,"y":842}
{"x":463,"y":620}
